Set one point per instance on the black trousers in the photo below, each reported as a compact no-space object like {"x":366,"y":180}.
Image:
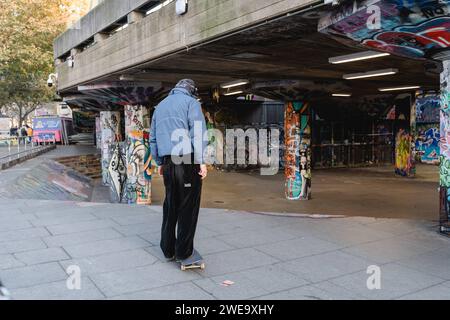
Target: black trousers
{"x":181,"y":208}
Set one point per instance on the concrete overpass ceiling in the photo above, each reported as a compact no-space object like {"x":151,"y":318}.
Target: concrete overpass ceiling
{"x":289,"y":48}
{"x":89,"y":104}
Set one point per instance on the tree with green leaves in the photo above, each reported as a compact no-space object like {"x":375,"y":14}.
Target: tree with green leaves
{"x":27,"y":31}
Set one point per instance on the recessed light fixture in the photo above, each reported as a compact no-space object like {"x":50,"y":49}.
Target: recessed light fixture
{"x":233,"y":84}
{"x":125,"y":77}
{"x":233,"y":93}
{"x":357,"y":57}
{"x":399,"y":88}
{"x":345,"y":95}
{"x":370,"y":74}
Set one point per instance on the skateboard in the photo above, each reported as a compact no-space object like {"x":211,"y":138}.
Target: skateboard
{"x":193,"y":262}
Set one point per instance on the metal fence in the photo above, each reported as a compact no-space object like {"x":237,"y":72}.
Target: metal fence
{"x":19,"y":147}
{"x":361,"y":150}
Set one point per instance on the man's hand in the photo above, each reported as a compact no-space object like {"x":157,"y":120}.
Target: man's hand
{"x":160,"y":170}
{"x":203,"y":171}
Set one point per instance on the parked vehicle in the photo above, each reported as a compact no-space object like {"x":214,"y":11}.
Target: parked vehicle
{"x":50,"y":128}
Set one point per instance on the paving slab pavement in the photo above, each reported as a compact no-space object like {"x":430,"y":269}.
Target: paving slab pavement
{"x":116,"y":248}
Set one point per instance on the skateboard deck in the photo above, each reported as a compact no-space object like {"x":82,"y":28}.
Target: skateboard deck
{"x":193,"y":262}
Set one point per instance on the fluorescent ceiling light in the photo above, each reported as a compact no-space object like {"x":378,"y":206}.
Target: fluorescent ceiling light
{"x":233,"y":84}
{"x":357,"y":57}
{"x":370,"y":74}
{"x":399,"y":88}
{"x":342,"y":95}
{"x":233,"y":93}
{"x":125,"y":77}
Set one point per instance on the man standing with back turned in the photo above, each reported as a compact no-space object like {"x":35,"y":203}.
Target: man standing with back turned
{"x":182,"y":168}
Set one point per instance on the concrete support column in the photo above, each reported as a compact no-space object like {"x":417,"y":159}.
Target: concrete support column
{"x":110,"y":136}
{"x":138,"y":156}
{"x":444,"y":172}
{"x":298,"y":150}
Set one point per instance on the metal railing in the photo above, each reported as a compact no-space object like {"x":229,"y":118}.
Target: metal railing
{"x":340,"y":155}
{"x":18,"y":147}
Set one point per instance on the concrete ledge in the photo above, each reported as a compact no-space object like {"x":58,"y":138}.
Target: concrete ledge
{"x":98,"y":19}
{"x":13,"y":162}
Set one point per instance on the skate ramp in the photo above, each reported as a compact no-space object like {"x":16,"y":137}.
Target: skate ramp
{"x":49,"y":180}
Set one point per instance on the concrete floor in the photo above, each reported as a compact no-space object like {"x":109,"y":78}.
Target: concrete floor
{"x":370,"y":192}
{"x":116,"y":248}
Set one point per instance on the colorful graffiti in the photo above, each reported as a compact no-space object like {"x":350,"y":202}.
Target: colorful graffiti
{"x":427,"y":143}
{"x":428,"y":108}
{"x":138,"y":156}
{"x":118,"y":172}
{"x":428,"y":135}
{"x":110,"y":127}
{"x":412,"y":28}
{"x":47,"y":129}
{"x":404,"y":160}
{"x":444,"y":171}
{"x":298,"y":151}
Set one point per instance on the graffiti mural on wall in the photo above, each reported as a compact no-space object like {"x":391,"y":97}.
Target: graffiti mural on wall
{"x":138,"y":156}
{"x":428,"y":108}
{"x":110,"y":125}
{"x":412,"y":28}
{"x":118,"y":172}
{"x":427,"y":143}
{"x":404,"y":161}
{"x":428,"y":135}
{"x":298,"y":151}
{"x":444,"y":172}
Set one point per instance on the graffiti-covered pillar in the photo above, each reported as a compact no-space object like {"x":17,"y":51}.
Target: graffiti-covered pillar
{"x":298,"y":150}
{"x":110,"y":136}
{"x":138,"y":156}
{"x":444,"y":172}
{"x":405,"y":139}
{"x":428,"y":107}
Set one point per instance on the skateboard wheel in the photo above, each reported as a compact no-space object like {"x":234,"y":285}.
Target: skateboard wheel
{"x":202,"y":266}
{"x":183,"y":268}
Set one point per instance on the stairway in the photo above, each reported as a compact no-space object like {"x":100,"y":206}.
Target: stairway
{"x":88,"y":165}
